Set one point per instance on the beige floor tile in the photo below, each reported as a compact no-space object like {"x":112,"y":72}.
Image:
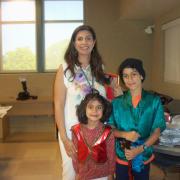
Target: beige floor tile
{"x":38,"y":154}
{"x":30,"y":161}
{"x":33,"y":177}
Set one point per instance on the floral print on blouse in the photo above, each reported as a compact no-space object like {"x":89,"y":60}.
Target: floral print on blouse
{"x":77,"y":88}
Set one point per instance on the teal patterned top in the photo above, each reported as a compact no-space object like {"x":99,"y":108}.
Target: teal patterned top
{"x":144,"y":119}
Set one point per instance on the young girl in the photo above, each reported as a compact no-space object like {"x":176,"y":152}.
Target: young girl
{"x":95,"y":158}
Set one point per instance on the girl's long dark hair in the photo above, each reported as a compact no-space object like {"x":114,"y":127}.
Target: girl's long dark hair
{"x":96,"y":62}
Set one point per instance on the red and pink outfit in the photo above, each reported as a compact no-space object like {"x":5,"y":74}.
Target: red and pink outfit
{"x":96,"y":154}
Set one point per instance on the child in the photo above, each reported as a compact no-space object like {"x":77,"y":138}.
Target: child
{"x":138,"y":117}
{"x":95,"y":158}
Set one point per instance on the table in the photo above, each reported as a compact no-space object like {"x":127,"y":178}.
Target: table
{"x":173,"y":151}
{"x":43,"y":106}
{"x":4,"y":127}
{"x":167,"y":158}
{"x":40,"y":106}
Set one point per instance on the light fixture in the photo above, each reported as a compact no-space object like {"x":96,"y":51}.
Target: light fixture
{"x":149,"y":29}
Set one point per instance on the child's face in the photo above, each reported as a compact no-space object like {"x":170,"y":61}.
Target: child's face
{"x":94,"y":111}
{"x":132,"y":79}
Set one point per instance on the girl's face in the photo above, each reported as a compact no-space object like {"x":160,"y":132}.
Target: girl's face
{"x":84,"y":42}
{"x":94,"y":111}
{"x":132,"y":79}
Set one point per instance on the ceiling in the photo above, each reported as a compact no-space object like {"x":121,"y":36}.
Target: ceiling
{"x":146,"y":9}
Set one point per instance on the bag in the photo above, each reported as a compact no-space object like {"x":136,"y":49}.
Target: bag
{"x":23,"y":95}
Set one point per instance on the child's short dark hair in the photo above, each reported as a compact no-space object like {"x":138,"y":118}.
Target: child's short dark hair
{"x":134,"y":64}
{"x":81,"y":109}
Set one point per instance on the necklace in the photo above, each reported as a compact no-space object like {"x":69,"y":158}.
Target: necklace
{"x":84,"y":74}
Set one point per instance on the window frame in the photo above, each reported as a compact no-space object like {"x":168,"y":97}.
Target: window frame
{"x":16,"y":23}
{"x":39,"y":36}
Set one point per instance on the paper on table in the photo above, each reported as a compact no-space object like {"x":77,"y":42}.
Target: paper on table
{"x":3,"y":110}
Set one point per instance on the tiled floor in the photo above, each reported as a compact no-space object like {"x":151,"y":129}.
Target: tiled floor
{"x":41,"y":161}
{"x":30,"y":161}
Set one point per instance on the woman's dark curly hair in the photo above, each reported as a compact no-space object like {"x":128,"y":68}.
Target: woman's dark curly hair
{"x":96,"y":62}
{"x":81,"y":109}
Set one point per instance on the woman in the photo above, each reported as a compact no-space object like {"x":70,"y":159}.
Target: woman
{"x":81,"y":72}
{"x":138,"y":120}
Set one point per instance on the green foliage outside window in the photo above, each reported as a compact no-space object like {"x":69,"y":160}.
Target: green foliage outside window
{"x":24,"y":58}
{"x":21,"y":58}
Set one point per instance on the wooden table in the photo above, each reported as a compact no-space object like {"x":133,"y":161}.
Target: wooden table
{"x":43,"y":106}
{"x":4,"y":128}
{"x":40,"y":106}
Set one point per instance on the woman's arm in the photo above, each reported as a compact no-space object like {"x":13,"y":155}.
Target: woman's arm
{"x":59,"y":103}
{"x":75,"y":156}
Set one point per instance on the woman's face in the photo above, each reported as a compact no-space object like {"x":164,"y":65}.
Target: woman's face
{"x":132,"y":79}
{"x":84,"y":42}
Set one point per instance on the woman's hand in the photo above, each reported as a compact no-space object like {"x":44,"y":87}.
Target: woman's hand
{"x":117,"y":90}
{"x":69,"y":147}
{"x":131,"y":136}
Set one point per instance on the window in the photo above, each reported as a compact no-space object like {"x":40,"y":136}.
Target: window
{"x":172,"y":51}
{"x":35,"y":34}
{"x":18,"y":36}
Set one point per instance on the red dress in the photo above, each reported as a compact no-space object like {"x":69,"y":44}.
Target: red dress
{"x":90,"y":165}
